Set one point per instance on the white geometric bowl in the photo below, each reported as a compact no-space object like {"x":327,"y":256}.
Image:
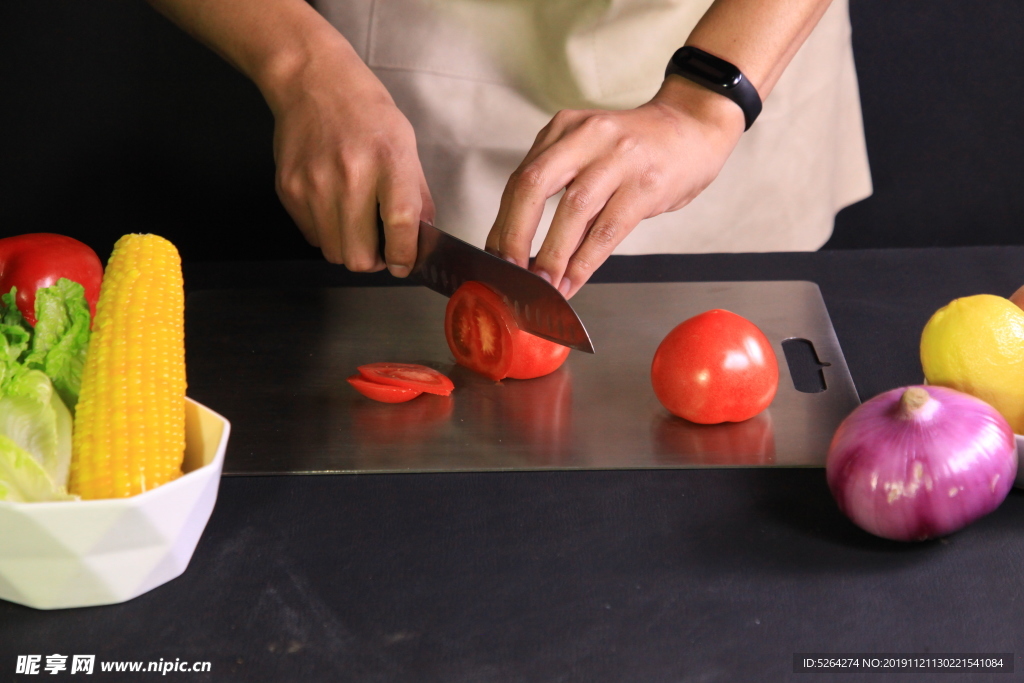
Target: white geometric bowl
{"x":100,"y":552}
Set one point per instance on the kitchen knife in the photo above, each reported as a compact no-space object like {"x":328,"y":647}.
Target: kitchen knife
{"x":444,"y":262}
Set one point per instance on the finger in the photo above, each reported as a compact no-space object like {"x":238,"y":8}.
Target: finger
{"x":427,"y":213}
{"x":562,"y":122}
{"x":577,"y":210}
{"x":494,"y":236}
{"x":343,"y":200}
{"x":321,"y":197}
{"x":291,"y":193}
{"x":401,"y":205}
{"x":560,"y":125}
{"x":357,"y":224}
{"x":623,"y":211}
{"x":324,"y":215}
{"x":526,"y":194}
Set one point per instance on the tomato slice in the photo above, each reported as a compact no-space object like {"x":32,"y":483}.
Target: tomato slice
{"x":408,"y":376}
{"x":479,"y":330}
{"x":385,"y":393}
{"x":484,"y":337}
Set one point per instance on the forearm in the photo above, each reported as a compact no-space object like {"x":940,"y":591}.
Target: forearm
{"x":273,"y":42}
{"x":345,"y":154}
{"x":759,"y":37}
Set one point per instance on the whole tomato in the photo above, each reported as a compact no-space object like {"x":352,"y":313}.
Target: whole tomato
{"x":715,"y":367}
{"x":36,"y":261}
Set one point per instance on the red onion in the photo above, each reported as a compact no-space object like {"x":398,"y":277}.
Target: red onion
{"x":920,"y":462}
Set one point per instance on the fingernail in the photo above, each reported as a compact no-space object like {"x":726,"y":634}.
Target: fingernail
{"x":543,"y":275}
{"x":398,"y":270}
{"x":564,"y":286}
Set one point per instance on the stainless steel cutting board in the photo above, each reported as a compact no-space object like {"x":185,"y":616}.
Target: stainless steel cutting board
{"x":274,"y":362}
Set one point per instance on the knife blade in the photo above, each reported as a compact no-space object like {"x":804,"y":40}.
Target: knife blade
{"x":444,"y":262}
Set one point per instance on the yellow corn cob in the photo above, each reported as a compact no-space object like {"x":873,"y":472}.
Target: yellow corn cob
{"x":129,"y":432}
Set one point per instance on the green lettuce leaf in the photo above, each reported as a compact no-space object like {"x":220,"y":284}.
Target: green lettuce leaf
{"x":23,"y":479}
{"x":60,"y":339}
{"x":35,"y":418}
{"x":9,"y":313}
{"x":14,"y":338}
{"x":40,"y":373}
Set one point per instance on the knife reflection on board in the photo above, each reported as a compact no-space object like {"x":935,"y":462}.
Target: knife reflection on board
{"x":444,"y":262}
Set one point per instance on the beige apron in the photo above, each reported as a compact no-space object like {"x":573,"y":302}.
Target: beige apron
{"x":479,"y":78}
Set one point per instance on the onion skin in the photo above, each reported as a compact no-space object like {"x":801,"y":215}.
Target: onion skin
{"x":914,"y":468}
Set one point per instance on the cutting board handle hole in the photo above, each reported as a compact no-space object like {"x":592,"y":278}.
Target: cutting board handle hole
{"x":804,"y":366}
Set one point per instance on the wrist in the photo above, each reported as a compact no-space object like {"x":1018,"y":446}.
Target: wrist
{"x":319,"y":55}
{"x":718,"y":76}
{"x":719,"y":115}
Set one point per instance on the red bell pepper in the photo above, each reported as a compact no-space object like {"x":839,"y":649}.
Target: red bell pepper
{"x":38,"y":260}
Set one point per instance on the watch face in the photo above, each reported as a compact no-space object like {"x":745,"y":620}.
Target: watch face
{"x":718,"y":71}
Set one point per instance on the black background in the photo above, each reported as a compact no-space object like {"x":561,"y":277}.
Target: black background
{"x":113,"y":121}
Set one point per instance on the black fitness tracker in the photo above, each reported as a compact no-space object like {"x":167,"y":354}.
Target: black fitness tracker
{"x":717,"y":75}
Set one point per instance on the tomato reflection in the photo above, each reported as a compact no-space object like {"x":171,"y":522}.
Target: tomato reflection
{"x":539,"y":413}
{"x":680,"y":442}
{"x":411,"y":422}
{"x":531,"y":416}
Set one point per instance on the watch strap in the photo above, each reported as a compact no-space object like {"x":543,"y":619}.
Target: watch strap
{"x":717,"y":75}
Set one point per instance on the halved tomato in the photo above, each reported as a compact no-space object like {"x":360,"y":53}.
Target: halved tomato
{"x":535,"y":357}
{"x":484,"y":337}
{"x":408,"y":376}
{"x":385,"y":393}
{"x":479,"y":329}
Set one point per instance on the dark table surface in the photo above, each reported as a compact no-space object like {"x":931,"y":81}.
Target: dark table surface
{"x":658,"y":575}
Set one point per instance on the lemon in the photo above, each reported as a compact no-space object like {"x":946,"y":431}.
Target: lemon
{"x":976,"y":345}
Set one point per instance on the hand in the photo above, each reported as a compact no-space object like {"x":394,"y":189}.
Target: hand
{"x":342,"y":148}
{"x":617,"y":168}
